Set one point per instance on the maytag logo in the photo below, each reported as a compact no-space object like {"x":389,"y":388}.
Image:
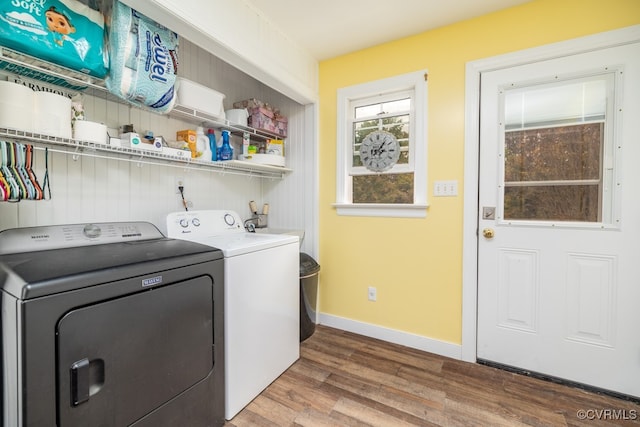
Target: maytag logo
{"x":151,"y":281}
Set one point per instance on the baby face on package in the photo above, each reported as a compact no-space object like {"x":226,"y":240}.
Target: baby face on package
{"x":59,"y":25}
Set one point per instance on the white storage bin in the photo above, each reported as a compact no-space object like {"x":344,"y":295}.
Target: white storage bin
{"x":52,"y":115}
{"x":264,"y":159}
{"x":16,"y":106}
{"x":195,"y":96}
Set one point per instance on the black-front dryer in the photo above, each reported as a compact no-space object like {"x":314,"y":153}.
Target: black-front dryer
{"x":110,"y":324}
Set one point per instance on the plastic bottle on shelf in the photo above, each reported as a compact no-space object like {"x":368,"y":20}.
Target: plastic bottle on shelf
{"x":219,"y":148}
{"x":213,"y":146}
{"x":202,"y":145}
{"x":226,"y":151}
{"x":245,"y":143}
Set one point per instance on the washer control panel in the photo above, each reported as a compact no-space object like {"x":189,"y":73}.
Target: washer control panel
{"x":203,"y":223}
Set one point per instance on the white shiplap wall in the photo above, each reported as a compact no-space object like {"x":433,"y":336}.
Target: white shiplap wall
{"x":90,"y":189}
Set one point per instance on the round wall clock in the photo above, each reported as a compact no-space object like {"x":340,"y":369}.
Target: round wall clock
{"x":379,"y":151}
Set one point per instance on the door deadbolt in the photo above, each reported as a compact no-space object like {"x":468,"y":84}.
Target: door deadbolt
{"x":488,"y":233}
{"x":488,"y":212}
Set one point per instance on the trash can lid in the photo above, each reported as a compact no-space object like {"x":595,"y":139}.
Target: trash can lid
{"x":308,"y":265}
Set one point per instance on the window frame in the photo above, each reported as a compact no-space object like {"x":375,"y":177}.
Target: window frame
{"x":348,"y":98}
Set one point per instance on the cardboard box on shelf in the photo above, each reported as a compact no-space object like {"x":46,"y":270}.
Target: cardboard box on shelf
{"x":275,"y":146}
{"x":188,"y":136}
{"x":264,"y":116}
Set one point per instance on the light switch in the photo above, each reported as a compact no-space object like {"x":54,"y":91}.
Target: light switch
{"x":445,"y":188}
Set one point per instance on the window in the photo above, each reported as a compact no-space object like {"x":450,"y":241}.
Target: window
{"x":396,"y":105}
{"x":556,"y":147}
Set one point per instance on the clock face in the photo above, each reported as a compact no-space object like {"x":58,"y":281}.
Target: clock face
{"x":379,"y":151}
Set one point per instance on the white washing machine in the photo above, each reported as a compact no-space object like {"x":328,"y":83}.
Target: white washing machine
{"x":261,"y":300}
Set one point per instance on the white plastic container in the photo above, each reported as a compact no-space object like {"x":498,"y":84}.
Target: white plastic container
{"x":238,"y":116}
{"x":176,"y":152}
{"x":52,"y":115}
{"x":84,"y":130}
{"x":16,"y":106}
{"x":264,"y":159}
{"x":195,"y":96}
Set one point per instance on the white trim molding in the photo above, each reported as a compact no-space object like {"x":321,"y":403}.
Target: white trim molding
{"x":407,"y":339}
{"x":474,"y":71}
{"x":382,"y":210}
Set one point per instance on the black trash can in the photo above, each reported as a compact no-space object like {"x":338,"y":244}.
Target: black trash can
{"x":309,"y":270}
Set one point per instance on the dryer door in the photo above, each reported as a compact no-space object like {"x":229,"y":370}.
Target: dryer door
{"x":121,"y":359}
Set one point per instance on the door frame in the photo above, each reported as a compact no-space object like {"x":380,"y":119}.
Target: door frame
{"x":471,"y":181}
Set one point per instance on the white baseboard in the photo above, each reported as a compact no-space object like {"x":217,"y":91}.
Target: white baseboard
{"x":418,"y":342}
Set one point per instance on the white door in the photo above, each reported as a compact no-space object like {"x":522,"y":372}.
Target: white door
{"x":559,"y":218}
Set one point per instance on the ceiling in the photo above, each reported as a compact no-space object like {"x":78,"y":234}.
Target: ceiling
{"x":329,"y":28}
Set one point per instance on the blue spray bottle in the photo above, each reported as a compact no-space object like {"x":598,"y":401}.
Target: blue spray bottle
{"x":226,"y":151}
{"x":215,"y":155}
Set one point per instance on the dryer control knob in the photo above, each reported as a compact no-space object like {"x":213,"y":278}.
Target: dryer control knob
{"x":184,"y":223}
{"x":92,"y":231}
{"x":195,"y":222}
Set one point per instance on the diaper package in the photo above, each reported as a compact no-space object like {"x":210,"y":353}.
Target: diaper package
{"x":64,"y":32}
{"x":143,"y":60}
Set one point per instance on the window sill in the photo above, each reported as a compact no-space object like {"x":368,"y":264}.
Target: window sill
{"x":382,"y":210}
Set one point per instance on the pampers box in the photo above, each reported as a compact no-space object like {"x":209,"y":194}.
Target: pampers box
{"x":144,"y":60}
{"x":64,"y":32}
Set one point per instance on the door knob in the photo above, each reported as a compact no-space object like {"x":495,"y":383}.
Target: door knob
{"x":488,"y":233}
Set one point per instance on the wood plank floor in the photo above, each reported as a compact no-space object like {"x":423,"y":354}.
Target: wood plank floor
{"x":344,"y":379}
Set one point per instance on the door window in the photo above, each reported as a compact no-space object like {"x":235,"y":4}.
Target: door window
{"x":557,"y":150}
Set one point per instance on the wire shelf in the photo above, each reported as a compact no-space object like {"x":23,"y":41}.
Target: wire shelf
{"x":78,"y":148}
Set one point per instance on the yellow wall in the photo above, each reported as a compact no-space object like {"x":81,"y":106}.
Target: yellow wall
{"x":416,"y":263}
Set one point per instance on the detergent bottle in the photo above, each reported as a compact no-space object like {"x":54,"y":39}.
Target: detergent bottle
{"x":226,"y":151}
{"x":213,"y":146}
{"x":202,"y":145}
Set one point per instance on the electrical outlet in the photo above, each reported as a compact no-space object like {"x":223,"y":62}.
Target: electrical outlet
{"x":178,"y":182}
{"x":372,"y":293}
{"x":445,"y":188}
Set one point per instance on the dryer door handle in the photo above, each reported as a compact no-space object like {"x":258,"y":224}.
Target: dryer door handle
{"x":80,"y":382}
